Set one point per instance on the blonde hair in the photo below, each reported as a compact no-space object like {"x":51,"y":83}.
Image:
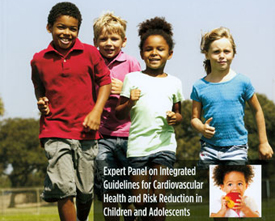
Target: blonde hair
{"x":109,"y":23}
{"x":212,"y":36}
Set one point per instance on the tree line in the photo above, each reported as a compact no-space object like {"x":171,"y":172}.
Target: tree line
{"x":20,"y":147}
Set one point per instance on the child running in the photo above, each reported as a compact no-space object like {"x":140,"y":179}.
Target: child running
{"x":64,"y":77}
{"x":220,"y":98}
{"x":153,"y":99}
{"x":110,"y":38}
{"x":234,"y":179}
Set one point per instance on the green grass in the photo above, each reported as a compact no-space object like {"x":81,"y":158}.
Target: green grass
{"x":199,"y":212}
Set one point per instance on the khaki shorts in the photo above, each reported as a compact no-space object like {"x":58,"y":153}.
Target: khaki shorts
{"x":70,"y":170}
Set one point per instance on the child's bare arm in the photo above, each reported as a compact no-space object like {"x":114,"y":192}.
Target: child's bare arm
{"x":126,"y":104}
{"x":241,"y":205}
{"x":174,"y":117}
{"x":265,"y":150}
{"x":222,"y":211}
{"x":92,"y":120}
{"x":197,"y":124}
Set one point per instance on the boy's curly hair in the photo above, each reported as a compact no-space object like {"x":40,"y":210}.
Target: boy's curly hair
{"x":220,"y":171}
{"x":64,"y":8}
{"x":156,"y":26}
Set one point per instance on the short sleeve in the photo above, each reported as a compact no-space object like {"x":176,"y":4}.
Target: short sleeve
{"x":178,"y":97}
{"x":249,"y":90}
{"x":135,"y":66}
{"x":194,"y":94}
{"x":101,"y":71}
{"x":126,"y":88}
{"x":37,"y":83}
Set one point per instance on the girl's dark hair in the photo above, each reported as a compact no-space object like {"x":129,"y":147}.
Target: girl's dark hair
{"x":64,"y":8}
{"x":156,"y":26}
{"x":220,"y":171}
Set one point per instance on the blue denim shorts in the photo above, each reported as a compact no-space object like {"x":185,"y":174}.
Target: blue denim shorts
{"x":164,"y":158}
{"x":230,"y":155}
{"x":111,"y":154}
{"x":70,"y":170}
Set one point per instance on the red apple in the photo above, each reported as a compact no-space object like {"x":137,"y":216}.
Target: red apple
{"x":231,"y":199}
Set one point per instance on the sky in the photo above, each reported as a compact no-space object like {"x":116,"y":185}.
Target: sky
{"x":252,"y":24}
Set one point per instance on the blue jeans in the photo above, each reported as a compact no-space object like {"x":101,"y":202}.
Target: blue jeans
{"x":111,"y":154}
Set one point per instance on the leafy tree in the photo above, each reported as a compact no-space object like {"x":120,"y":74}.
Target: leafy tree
{"x":1,"y":107}
{"x":20,"y":148}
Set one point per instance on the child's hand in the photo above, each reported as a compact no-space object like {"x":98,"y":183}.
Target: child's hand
{"x":43,"y":105}
{"x":222,"y":211}
{"x":116,"y":86}
{"x":265,"y":151}
{"x":92,"y":120}
{"x":208,"y":131}
{"x":135,"y":95}
{"x":171,"y":117}
{"x":241,"y":206}
{"x":224,"y":207}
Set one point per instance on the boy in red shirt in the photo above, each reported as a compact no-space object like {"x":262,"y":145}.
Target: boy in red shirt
{"x":64,"y":77}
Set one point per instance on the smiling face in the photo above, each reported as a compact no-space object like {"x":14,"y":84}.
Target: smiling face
{"x":64,"y":32}
{"x":220,"y":54}
{"x":155,"y":53}
{"x":109,"y":44}
{"x":234,"y":182}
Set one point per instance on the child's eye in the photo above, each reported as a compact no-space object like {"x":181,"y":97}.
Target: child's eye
{"x":240,"y":184}
{"x":73,"y":29}
{"x":147,"y":49}
{"x":61,"y":27}
{"x":102,"y":39}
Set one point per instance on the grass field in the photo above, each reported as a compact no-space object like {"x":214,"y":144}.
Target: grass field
{"x":49,"y":213}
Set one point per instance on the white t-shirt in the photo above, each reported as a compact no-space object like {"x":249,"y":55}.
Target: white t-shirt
{"x":249,"y":201}
{"x":149,"y":131}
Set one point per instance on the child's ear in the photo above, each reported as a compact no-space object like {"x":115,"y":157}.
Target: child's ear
{"x":170,"y":54}
{"x":49,"y":28}
{"x":141,"y":54}
{"x":124,"y":42}
{"x":222,"y":187}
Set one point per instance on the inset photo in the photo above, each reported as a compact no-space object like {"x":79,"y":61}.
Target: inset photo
{"x":235,"y":191}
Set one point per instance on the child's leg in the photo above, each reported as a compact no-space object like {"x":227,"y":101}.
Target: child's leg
{"x":66,"y":209}
{"x":158,"y":192}
{"x":83,"y":210}
{"x":142,"y":192}
{"x":84,"y":161}
{"x":112,"y":154}
{"x":60,"y":179}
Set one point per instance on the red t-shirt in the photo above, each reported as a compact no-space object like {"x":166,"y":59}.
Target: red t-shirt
{"x":69,"y":84}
